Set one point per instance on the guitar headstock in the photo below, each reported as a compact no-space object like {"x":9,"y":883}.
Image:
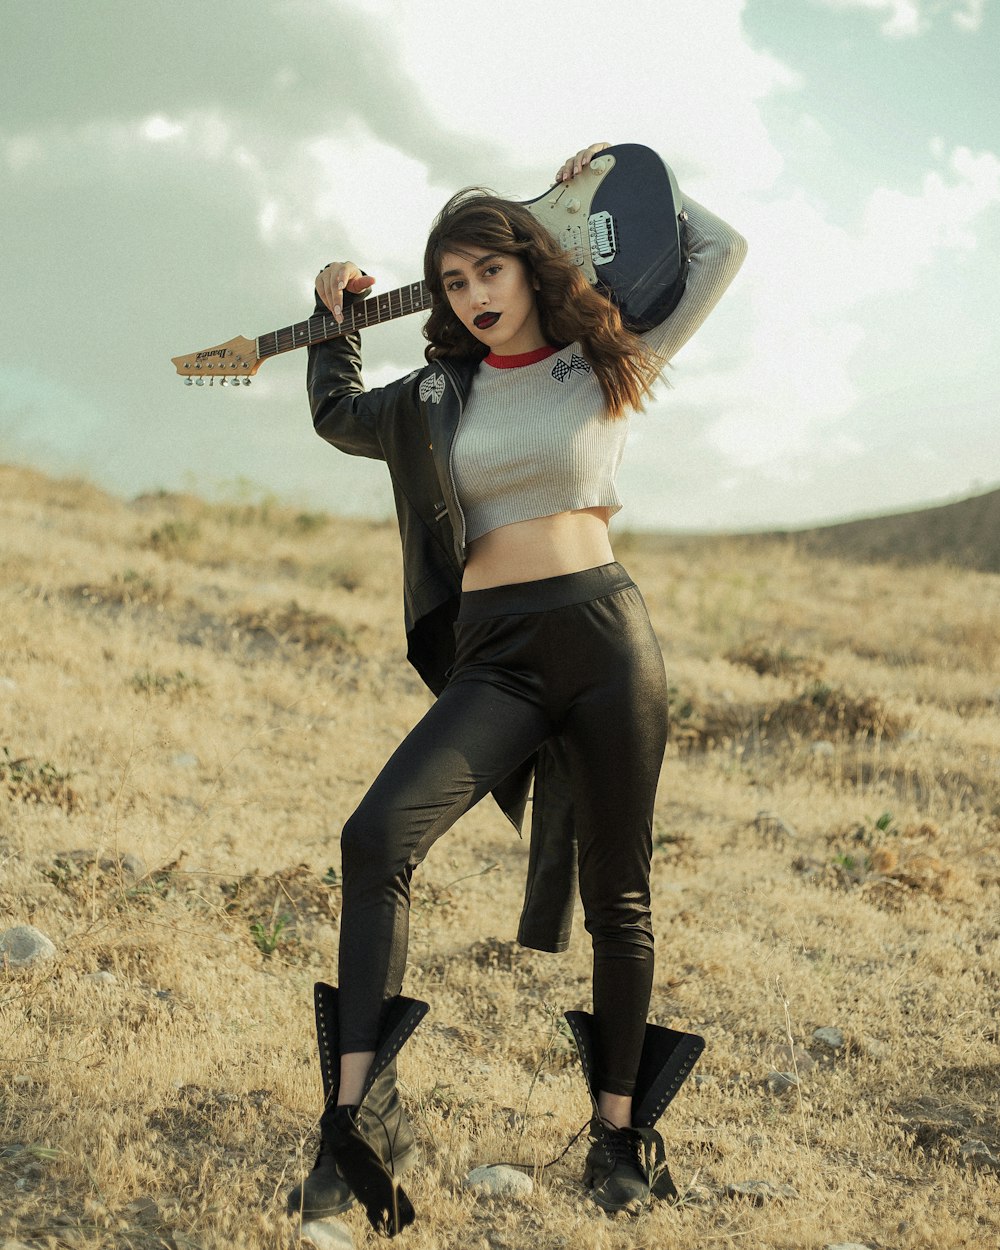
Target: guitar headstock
{"x":230,"y":362}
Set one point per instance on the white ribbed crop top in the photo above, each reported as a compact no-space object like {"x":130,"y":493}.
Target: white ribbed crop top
{"x":559,"y":453}
{"x":534,"y":440}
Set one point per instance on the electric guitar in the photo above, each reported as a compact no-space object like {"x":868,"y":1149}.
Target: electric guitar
{"x":620,"y":220}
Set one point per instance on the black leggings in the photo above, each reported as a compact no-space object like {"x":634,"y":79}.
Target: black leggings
{"x":573,"y":656}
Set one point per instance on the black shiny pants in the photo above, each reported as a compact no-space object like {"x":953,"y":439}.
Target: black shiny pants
{"x":573,"y":656}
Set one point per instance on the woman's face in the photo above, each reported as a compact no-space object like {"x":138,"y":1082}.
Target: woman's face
{"x":493,"y":297}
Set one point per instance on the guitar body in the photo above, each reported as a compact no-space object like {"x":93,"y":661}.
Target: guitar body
{"x":620,"y":219}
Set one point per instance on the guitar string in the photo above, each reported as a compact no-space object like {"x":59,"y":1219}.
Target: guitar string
{"x":407,"y":300}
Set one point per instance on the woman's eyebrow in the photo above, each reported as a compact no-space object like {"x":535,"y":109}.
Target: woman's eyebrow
{"x":476,"y":264}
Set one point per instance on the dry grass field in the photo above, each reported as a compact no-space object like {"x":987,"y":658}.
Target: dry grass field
{"x":192,"y":699}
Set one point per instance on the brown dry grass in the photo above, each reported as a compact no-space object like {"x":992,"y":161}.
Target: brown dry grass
{"x":211,"y":688}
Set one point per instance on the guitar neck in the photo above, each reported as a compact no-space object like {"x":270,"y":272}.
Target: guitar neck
{"x":385,"y":307}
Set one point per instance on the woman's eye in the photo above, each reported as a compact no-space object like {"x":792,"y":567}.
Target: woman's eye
{"x":454,"y":286}
{"x":494,"y":269}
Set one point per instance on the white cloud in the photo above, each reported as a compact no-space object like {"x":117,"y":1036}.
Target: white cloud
{"x":902,"y":18}
{"x":680,"y":77}
{"x":157,"y":128}
{"x":810,"y":283}
{"x":969,"y":16}
{"x":903,"y":233}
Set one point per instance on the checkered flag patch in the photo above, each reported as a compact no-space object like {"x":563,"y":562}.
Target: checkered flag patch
{"x":432,"y":388}
{"x":561,"y":370}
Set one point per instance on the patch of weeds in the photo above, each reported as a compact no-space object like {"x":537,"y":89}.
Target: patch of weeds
{"x":174,"y":538}
{"x":28,"y":781}
{"x":295,"y":625}
{"x":176,"y":686}
{"x":820,"y":711}
{"x":84,"y":874}
{"x":887,"y":863}
{"x":779,"y":662}
{"x":277,"y":908}
{"x":310,"y":522}
{"x":267,"y":938}
{"x":124,"y":590}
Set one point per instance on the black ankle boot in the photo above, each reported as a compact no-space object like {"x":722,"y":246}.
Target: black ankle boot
{"x":626,"y":1167}
{"x":362,"y":1149}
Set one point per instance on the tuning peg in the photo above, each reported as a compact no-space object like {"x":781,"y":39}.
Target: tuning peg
{"x":246,"y":381}
{"x":189,"y":381}
{"x":199,"y":381}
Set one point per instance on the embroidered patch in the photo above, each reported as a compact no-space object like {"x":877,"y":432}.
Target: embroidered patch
{"x":432,"y":388}
{"x":561,"y":370}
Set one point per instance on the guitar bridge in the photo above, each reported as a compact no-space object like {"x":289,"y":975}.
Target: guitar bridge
{"x":603,"y":243}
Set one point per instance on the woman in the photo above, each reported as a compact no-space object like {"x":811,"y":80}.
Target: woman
{"x":503,"y":452}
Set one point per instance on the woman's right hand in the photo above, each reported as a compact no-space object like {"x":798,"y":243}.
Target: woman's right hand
{"x":335,"y":279}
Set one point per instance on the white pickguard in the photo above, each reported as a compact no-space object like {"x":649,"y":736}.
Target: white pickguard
{"x":565,"y":212}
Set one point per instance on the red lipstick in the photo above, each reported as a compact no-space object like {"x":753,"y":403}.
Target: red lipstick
{"x":485,"y":320}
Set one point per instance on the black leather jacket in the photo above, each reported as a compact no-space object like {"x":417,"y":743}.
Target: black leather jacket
{"x":411,"y":424}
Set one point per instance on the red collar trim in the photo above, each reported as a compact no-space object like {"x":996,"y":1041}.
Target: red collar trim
{"x":518,"y":362}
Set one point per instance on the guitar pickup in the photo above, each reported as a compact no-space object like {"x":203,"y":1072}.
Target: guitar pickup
{"x":571,"y":242}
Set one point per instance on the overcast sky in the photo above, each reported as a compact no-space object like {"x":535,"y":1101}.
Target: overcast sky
{"x":173,"y":175}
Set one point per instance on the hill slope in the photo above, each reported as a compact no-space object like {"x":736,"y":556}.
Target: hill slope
{"x":964,"y":534}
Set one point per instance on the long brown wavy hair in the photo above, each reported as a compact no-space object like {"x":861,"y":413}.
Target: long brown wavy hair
{"x":569,"y":308}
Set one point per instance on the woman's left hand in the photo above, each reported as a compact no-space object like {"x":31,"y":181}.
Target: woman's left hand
{"x":576,"y":164}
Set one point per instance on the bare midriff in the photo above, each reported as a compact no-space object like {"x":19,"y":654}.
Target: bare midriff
{"x":545,"y":546}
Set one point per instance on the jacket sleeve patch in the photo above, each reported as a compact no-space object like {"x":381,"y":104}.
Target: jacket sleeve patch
{"x":432,"y":388}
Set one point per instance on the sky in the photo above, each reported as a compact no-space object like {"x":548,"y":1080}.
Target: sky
{"x":174,"y":175}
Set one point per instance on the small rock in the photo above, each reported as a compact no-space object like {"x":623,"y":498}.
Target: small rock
{"x":499,"y":1179}
{"x":101,"y":978}
{"x":873,"y":1047}
{"x":830,"y":1037}
{"x":978,"y":1155}
{"x":8,"y":683}
{"x":143,"y":1209}
{"x":781,"y":1082}
{"x":822,"y":749}
{"x":129,"y":862}
{"x":185,"y":759}
{"x":759,"y":1192}
{"x":795,"y":1060}
{"x":23,"y":946}
{"x":328,"y":1234}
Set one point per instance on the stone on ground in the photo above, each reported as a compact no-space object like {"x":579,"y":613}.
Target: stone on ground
{"x":327,"y":1234}
{"x":759,"y":1192}
{"x":499,"y":1179}
{"x":23,"y":946}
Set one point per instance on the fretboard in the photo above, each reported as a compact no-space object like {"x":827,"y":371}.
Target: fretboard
{"x":398,"y":303}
